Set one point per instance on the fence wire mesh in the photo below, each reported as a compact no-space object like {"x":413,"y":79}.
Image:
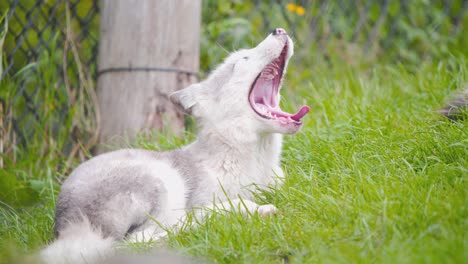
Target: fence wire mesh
{"x":50,"y":49}
{"x":33,"y":25}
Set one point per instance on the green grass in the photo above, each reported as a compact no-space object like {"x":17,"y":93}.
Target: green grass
{"x":375,"y":176}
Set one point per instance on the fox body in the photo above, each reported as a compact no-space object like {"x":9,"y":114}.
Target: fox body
{"x":110,"y":197}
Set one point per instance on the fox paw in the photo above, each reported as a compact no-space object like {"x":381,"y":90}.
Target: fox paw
{"x":267,"y":210}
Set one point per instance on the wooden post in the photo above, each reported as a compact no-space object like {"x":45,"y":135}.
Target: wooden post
{"x":147,"y":50}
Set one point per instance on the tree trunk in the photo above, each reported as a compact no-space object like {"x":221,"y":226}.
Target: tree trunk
{"x":148,"y":49}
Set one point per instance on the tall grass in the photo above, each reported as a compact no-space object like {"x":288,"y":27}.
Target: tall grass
{"x":51,"y":103}
{"x":375,"y":175}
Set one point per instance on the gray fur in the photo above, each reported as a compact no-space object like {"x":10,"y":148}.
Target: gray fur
{"x":105,"y":193}
{"x":192,"y":173}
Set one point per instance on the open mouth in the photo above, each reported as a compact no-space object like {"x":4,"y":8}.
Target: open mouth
{"x":264,"y":94}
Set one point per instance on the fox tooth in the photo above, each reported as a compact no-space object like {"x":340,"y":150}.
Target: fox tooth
{"x":261,"y":107}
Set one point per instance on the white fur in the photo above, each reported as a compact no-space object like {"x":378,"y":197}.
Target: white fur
{"x":236,"y":150}
{"x":174,"y":205}
{"x":174,"y":208}
{"x":79,"y":243}
{"x":267,"y":209}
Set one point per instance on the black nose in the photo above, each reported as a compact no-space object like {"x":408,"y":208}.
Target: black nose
{"x":278,"y":31}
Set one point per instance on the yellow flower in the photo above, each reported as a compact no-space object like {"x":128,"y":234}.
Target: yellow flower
{"x":291,"y":7}
{"x":299,"y":10}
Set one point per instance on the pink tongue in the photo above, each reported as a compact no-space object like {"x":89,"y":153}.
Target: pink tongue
{"x":302,"y":112}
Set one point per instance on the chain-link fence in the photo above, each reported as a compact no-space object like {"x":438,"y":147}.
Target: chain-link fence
{"x":51,"y":49}
{"x":33,"y":25}
{"x":50,"y":52}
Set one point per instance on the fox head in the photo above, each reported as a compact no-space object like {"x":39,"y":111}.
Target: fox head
{"x":242,"y":94}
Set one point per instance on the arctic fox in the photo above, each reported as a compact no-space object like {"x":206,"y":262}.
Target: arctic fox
{"x":110,"y":197}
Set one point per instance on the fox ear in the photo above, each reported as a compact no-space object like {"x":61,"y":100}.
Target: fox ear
{"x":185,"y":98}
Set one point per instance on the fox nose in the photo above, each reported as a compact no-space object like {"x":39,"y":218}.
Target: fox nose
{"x":278,"y":31}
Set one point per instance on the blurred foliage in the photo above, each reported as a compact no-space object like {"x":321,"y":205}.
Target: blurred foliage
{"x":35,"y":25}
{"x":48,"y":118}
{"x":348,"y":31}
{"x":48,"y":129}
